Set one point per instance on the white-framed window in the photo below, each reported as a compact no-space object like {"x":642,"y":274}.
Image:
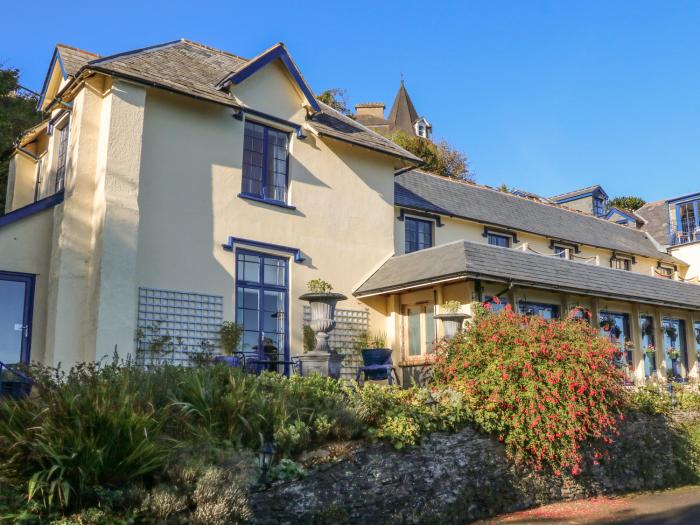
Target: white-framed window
{"x":563,"y":252}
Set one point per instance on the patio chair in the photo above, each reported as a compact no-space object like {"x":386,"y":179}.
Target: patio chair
{"x":377,"y":366}
{"x":13,"y":383}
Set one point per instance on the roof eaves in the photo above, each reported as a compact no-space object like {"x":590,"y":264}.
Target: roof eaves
{"x":278,"y":51}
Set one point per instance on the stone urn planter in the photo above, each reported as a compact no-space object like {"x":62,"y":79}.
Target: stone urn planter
{"x":452,"y":322}
{"x":321,"y":360}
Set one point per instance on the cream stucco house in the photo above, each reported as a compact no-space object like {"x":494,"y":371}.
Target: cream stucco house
{"x":177,"y":186}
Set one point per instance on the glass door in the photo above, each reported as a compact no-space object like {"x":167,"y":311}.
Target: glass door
{"x":675,"y":348}
{"x":261,"y":308}
{"x":419,"y":334}
{"x":16,"y":298}
{"x":646,"y":323}
{"x":616,"y":326}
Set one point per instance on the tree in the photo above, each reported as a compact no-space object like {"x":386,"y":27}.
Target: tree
{"x":441,"y":158}
{"x":18,"y":112}
{"x":627,"y":203}
{"x":336,"y":98}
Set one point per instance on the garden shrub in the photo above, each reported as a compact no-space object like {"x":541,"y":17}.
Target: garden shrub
{"x":544,"y":387}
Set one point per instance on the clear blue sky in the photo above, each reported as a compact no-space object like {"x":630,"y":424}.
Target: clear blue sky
{"x":546,"y":96}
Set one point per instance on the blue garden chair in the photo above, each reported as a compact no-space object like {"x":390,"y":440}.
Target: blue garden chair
{"x":377,"y":366}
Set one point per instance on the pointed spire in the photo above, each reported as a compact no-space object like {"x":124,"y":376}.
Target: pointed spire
{"x":403,"y":114}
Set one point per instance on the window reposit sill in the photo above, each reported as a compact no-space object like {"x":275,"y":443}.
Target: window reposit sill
{"x":266,"y":201}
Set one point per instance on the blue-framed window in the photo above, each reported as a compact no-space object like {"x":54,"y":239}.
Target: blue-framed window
{"x":688,"y":219}
{"x":548,"y":311}
{"x":16,"y":307}
{"x":262,"y":302}
{"x":419,"y":234}
{"x":599,"y":208}
{"x":265,"y":162}
{"x":496,"y":239}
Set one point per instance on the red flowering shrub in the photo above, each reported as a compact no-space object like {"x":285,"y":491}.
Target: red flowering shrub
{"x":544,"y":387}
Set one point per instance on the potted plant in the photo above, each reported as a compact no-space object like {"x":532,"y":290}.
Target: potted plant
{"x":648,"y":328}
{"x":580,"y":313}
{"x":230,"y":335}
{"x":322,"y":300}
{"x":452,"y":318}
{"x":671,"y":332}
{"x":673,"y":353}
{"x":650,"y":351}
{"x":607,"y":324}
{"x":373,"y":348}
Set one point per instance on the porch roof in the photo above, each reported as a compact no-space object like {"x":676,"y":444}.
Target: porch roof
{"x":464,"y":259}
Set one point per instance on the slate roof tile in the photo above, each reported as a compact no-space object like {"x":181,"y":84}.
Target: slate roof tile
{"x":482,"y":261}
{"x":418,"y":190}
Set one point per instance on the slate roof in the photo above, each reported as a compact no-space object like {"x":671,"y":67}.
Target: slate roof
{"x":465,"y":259}
{"x":576,"y":193}
{"x":196,"y":70}
{"x":656,"y":216}
{"x":403,"y":114}
{"x":330,"y":123}
{"x":421,"y":191}
{"x":73,"y":59}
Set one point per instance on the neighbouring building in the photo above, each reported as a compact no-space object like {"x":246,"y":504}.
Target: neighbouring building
{"x":402,"y":116}
{"x":177,"y":186}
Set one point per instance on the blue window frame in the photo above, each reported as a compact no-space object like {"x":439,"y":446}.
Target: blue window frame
{"x":687,"y":218}
{"x":499,"y":240}
{"x":16,"y":307}
{"x":646,"y":323}
{"x":265,"y":163}
{"x":419,"y":234}
{"x":548,"y":311}
{"x":599,"y":206}
{"x":675,"y":347}
{"x":262,"y":303}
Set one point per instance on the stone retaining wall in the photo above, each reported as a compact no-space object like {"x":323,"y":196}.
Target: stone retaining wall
{"x":455,"y":478}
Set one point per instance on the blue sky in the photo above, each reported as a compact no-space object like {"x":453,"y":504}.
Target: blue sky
{"x":546,"y":96}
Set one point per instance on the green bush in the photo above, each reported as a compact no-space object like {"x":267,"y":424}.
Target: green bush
{"x":543,"y":387}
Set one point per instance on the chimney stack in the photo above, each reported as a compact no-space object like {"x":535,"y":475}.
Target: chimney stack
{"x":371,"y":109}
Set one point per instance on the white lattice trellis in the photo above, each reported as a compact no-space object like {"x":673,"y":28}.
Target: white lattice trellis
{"x":174,"y":326}
{"x":348,"y":325}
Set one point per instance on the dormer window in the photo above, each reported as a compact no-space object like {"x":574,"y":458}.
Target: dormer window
{"x":422,"y":128}
{"x":599,"y":208}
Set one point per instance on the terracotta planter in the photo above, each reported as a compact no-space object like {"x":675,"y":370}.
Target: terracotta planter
{"x":322,"y":316}
{"x":452,"y":322}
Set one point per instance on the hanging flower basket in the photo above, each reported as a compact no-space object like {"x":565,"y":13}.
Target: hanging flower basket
{"x":607,"y":324}
{"x":671,"y":332}
{"x":650,"y":351}
{"x":673,"y":354}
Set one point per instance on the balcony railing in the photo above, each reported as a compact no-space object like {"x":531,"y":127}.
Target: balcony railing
{"x":684,"y":236}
